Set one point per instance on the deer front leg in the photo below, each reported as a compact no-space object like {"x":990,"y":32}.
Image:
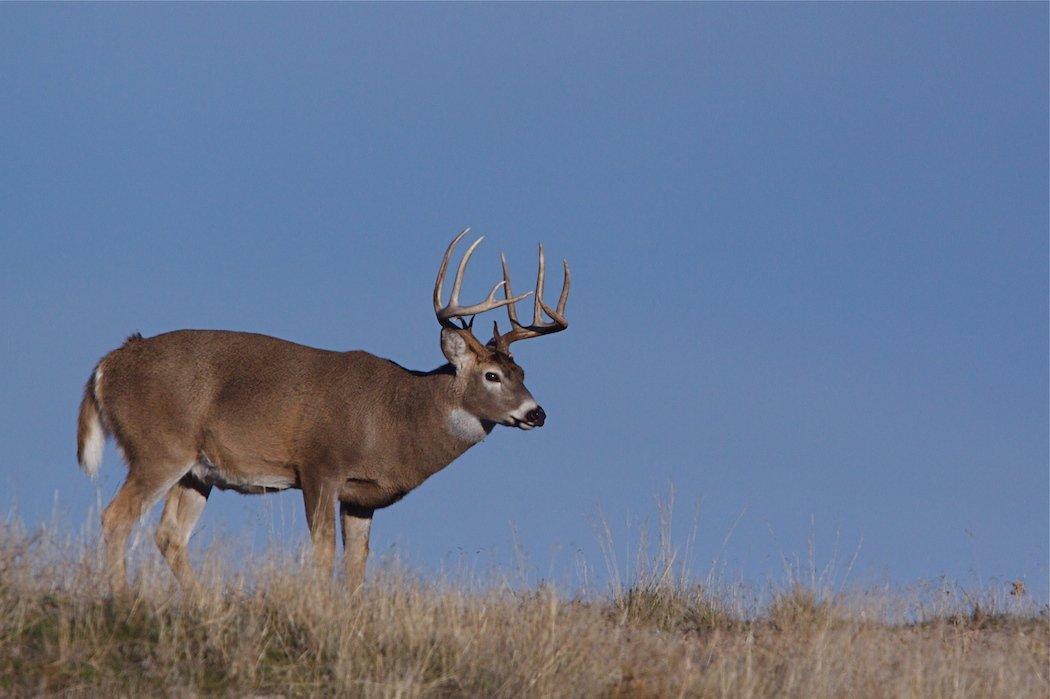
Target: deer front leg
{"x":357,"y":523}
{"x":320,"y":516}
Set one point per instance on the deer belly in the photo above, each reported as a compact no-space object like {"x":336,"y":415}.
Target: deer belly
{"x":250,"y":482}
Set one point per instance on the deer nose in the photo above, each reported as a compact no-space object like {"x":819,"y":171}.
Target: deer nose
{"x":536,"y":416}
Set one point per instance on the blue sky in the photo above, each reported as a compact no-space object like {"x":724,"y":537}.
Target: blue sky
{"x":809,"y":246}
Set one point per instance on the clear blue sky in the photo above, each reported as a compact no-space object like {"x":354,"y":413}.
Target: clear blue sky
{"x":809,"y":245}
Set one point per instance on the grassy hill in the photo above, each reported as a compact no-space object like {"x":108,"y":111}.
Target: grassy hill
{"x":273,"y":631}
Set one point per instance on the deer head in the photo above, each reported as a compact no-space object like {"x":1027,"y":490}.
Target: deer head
{"x":490,"y":384}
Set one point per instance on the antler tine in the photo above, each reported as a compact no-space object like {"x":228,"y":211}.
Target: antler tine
{"x":540,"y":273}
{"x":457,"y":284}
{"x":446,"y":313}
{"x":444,"y":268}
{"x":512,"y":311}
{"x":563,"y":299}
{"x":566,"y":282}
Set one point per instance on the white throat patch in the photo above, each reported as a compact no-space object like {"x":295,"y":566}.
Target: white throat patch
{"x":465,"y":426}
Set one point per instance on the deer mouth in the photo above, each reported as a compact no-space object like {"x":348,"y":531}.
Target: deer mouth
{"x":535,"y":417}
{"x":520,"y":424}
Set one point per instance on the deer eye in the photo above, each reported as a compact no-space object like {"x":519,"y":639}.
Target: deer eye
{"x":492,"y":376}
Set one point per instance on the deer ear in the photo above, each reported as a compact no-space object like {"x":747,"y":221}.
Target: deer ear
{"x":455,"y":347}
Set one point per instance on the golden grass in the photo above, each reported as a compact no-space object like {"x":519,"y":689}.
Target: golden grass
{"x":272,"y":631}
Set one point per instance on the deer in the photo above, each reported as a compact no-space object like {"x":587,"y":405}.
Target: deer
{"x":193,"y":410}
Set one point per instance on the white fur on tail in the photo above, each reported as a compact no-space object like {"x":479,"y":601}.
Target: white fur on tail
{"x":95,"y":439}
{"x":92,"y":457}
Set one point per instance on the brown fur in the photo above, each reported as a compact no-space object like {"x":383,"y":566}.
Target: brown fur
{"x":193,"y":409}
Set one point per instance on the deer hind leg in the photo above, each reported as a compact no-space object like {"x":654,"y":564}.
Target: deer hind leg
{"x":356,"y":524}
{"x":145,"y":483}
{"x":182,"y":509}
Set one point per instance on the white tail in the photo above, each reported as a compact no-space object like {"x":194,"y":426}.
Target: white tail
{"x":91,"y":435}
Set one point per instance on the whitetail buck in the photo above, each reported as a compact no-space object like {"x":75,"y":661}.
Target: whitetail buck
{"x":196,"y":409}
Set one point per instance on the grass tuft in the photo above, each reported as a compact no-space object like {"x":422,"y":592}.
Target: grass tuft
{"x":799,"y":609}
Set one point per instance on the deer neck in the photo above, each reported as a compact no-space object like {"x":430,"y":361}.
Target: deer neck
{"x":443,"y":429}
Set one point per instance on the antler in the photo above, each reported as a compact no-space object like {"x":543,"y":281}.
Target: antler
{"x":538,"y":327}
{"x":453,"y":309}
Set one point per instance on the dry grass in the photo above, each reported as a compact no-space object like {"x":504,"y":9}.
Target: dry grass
{"x":269,"y":631}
